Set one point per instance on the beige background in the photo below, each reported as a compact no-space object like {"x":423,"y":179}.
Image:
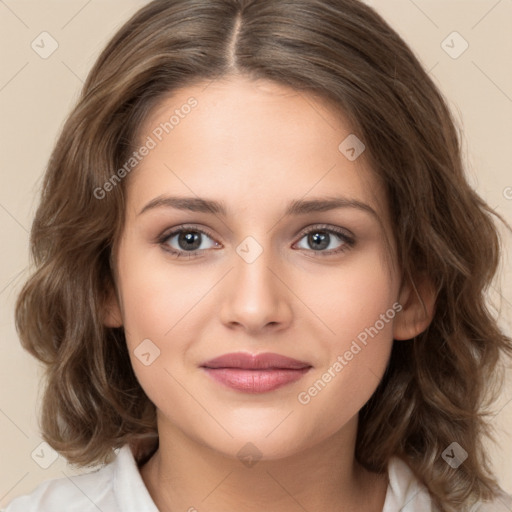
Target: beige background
{"x":36,"y":94}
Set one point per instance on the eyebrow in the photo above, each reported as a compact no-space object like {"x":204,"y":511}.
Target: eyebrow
{"x":296,"y":207}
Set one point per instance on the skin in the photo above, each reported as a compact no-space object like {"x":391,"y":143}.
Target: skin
{"x":256,"y":146}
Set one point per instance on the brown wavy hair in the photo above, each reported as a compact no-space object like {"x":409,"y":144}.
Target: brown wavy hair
{"x":435,"y":389}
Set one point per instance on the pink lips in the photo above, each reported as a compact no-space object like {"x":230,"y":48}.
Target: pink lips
{"x":255,"y":373}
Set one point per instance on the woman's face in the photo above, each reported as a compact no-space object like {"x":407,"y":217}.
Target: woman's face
{"x":273,"y":272}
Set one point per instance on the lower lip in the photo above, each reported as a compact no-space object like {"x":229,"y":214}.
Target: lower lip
{"x":255,"y":381}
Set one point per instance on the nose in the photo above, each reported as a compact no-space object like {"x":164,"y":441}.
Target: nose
{"x":255,"y":297}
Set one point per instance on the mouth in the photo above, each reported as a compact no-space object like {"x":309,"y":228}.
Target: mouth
{"x":257,"y":373}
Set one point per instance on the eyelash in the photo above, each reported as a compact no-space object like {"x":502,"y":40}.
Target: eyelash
{"x":349,"y":242}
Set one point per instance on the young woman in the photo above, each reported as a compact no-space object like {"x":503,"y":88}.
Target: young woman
{"x":260,"y":273}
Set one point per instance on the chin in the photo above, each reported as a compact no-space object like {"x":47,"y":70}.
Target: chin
{"x":251,"y":445}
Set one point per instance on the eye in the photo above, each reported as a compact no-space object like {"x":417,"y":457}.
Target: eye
{"x":323,"y":237}
{"x":189,"y":241}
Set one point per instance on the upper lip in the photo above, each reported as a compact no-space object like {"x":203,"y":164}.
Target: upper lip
{"x":246,"y":361}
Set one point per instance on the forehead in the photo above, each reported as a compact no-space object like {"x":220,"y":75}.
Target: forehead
{"x":241,"y":141}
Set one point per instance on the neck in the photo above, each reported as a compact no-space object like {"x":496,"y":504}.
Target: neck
{"x":184,"y":474}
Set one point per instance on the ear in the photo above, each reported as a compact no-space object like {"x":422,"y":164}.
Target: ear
{"x":112,"y":316}
{"x":417,"y":312}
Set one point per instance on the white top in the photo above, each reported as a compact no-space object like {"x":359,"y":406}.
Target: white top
{"x":118,"y":487}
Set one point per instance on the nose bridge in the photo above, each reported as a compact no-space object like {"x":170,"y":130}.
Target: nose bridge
{"x":253,"y":278}
{"x":255,"y":296}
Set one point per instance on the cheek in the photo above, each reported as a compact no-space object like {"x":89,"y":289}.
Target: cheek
{"x":155,"y":298}
{"x":164,"y":306}
{"x":338,"y":390}
{"x":352,"y":296}
{"x":358,"y":305}
{"x":152,"y":312}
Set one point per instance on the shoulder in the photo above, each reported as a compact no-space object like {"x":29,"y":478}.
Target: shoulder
{"x":114,"y":487}
{"x":502,"y":503}
{"x":407,"y":494}
{"x":82,"y":492}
